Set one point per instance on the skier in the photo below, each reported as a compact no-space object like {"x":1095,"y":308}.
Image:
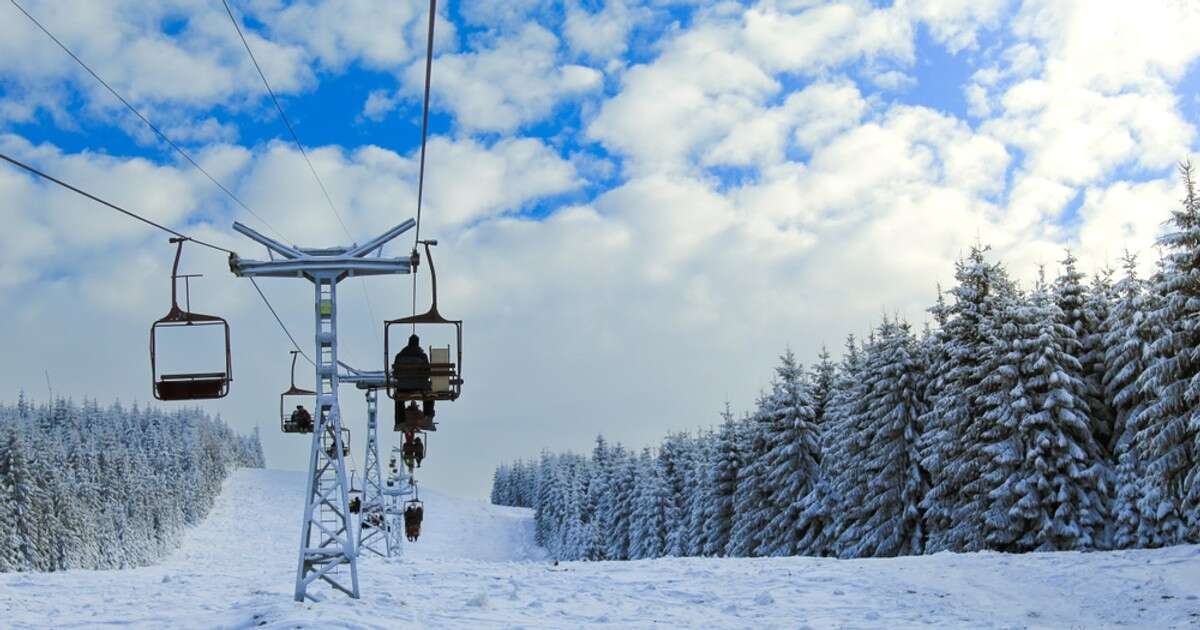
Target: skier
{"x":302,"y":419}
{"x":355,"y":505}
{"x":412,"y":521}
{"x":418,"y":451}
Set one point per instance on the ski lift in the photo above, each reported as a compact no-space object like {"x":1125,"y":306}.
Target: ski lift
{"x":414,"y":513}
{"x":188,"y":385}
{"x":440,"y":378}
{"x":289,"y":420}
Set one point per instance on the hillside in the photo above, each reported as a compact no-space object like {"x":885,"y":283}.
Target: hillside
{"x":476,"y":566}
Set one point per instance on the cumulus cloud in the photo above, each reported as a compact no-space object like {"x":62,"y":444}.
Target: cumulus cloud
{"x":500,"y":88}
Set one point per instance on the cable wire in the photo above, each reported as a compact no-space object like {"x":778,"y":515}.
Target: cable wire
{"x":98,"y":200}
{"x":425,"y":117}
{"x":280,"y":321}
{"x":287,"y":123}
{"x":151,"y":223}
{"x":145,"y":120}
{"x":300,"y":145}
{"x":424,"y":142}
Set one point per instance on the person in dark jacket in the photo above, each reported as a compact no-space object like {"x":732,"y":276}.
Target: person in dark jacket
{"x":413,"y":514}
{"x":302,"y":419}
{"x":418,"y":451}
{"x":410,"y":372}
{"x":410,"y":368}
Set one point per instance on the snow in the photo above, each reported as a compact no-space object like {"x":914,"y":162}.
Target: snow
{"x":476,"y":566}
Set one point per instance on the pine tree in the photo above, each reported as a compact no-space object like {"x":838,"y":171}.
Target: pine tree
{"x":648,"y":534}
{"x":792,"y":458}
{"x":724,"y":486}
{"x":1046,"y":477}
{"x":951,"y":446}
{"x":1127,"y":340}
{"x":752,"y":497}
{"x":1168,"y":426}
{"x":886,"y":520}
{"x":818,"y":511}
{"x":1082,"y":312}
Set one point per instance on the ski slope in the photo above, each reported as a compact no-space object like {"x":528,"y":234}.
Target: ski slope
{"x":477,"y":567}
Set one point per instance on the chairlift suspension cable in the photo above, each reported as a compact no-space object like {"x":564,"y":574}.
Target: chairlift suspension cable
{"x":151,"y":223}
{"x":100,"y":201}
{"x":143,"y":118}
{"x":280,"y":321}
{"x":287,"y":123}
{"x":424,"y":140}
{"x":296,"y":137}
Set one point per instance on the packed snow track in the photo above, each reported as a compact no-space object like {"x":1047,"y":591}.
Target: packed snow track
{"x":476,"y":566}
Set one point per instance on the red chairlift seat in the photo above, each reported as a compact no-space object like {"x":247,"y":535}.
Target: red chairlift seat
{"x":188,"y":385}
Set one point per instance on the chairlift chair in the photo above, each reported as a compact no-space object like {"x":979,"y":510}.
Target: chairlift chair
{"x":412,"y":524}
{"x":188,"y":385}
{"x":441,"y":378}
{"x":285,"y":414}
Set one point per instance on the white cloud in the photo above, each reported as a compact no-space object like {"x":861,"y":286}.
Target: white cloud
{"x":604,"y":34}
{"x":517,"y":80}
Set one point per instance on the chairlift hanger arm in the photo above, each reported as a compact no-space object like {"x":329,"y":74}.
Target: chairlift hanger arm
{"x":268,"y":242}
{"x":353,"y":261}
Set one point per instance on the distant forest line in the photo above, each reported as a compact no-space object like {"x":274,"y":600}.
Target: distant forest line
{"x":1063,"y":416}
{"x":86,"y":487}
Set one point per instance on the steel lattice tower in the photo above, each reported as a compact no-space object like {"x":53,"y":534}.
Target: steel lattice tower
{"x":327,"y":539}
{"x":371,"y":517}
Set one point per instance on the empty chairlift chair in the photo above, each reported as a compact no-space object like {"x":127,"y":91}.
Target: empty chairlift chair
{"x":192,"y":385}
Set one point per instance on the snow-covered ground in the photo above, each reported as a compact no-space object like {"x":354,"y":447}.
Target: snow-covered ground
{"x":477,"y":567}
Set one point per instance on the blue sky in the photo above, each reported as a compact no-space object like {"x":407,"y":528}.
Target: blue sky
{"x":623,"y":190}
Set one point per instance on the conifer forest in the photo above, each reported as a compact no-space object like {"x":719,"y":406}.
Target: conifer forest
{"x":1056,"y":416}
{"x":90,"y":487}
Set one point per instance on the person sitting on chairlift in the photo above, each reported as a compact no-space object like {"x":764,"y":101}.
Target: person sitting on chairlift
{"x":410,"y":455}
{"x":408,"y":378}
{"x":418,"y":451}
{"x":302,"y":419}
{"x":412,"y":521}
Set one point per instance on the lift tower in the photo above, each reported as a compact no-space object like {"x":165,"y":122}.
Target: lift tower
{"x":327,"y":538}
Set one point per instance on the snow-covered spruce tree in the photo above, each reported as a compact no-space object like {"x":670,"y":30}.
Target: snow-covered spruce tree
{"x":648,"y":533}
{"x":724,"y":485}
{"x":105,"y":488}
{"x":951,"y":446}
{"x":887,"y":519}
{"x":1127,"y":339}
{"x":1168,"y":438}
{"x":752,"y":497}
{"x":620,"y":516}
{"x":699,"y":498}
{"x":597,"y":500}
{"x":673,"y":461}
{"x":1045,"y":475}
{"x":1083,"y":311}
{"x":817,"y":511}
{"x":822,"y":377}
{"x":793,"y":454}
